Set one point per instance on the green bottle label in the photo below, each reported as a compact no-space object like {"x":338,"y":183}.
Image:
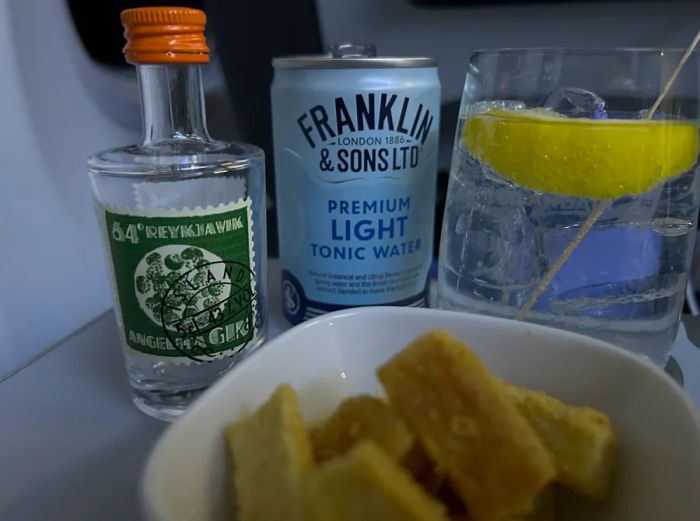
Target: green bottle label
{"x":185,"y":280}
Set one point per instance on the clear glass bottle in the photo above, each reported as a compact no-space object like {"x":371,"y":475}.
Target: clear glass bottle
{"x":184,"y":221}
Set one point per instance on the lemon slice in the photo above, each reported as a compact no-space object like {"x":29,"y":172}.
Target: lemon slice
{"x":599,"y":159}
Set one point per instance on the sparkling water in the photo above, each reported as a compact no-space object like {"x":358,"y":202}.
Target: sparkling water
{"x":624,"y":283}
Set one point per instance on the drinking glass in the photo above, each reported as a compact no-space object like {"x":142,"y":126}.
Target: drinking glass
{"x":572,"y":198}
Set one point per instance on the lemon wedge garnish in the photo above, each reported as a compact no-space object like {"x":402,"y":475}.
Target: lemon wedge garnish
{"x":599,"y":159}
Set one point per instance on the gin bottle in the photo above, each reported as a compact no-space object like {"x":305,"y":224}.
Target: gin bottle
{"x":183,"y":217}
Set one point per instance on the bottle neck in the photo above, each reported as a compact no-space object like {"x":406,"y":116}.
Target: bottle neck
{"x":172,"y":103}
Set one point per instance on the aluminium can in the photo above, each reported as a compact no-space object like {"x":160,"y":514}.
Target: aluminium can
{"x":355,"y":151}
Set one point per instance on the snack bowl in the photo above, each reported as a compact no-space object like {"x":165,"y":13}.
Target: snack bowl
{"x":188,"y":474}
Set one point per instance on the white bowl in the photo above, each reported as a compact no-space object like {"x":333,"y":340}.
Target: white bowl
{"x":658,"y":477}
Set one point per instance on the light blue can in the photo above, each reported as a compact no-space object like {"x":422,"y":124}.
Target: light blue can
{"x":355,"y":146}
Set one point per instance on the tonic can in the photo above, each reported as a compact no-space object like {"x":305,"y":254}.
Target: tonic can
{"x":355,"y":150}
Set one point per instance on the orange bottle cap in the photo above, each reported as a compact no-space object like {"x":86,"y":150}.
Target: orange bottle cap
{"x":165,"y":35}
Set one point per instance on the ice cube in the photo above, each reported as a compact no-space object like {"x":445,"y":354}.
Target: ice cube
{"x":644,"y":114}
{"x":480,"y":107}
{"x":494,"y":247}
{"x":576,"y":103}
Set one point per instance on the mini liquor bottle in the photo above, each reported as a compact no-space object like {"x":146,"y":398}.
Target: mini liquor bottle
{"x":183,"y":217}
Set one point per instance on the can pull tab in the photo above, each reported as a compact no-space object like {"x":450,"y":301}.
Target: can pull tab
{"x":352,"y":50}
